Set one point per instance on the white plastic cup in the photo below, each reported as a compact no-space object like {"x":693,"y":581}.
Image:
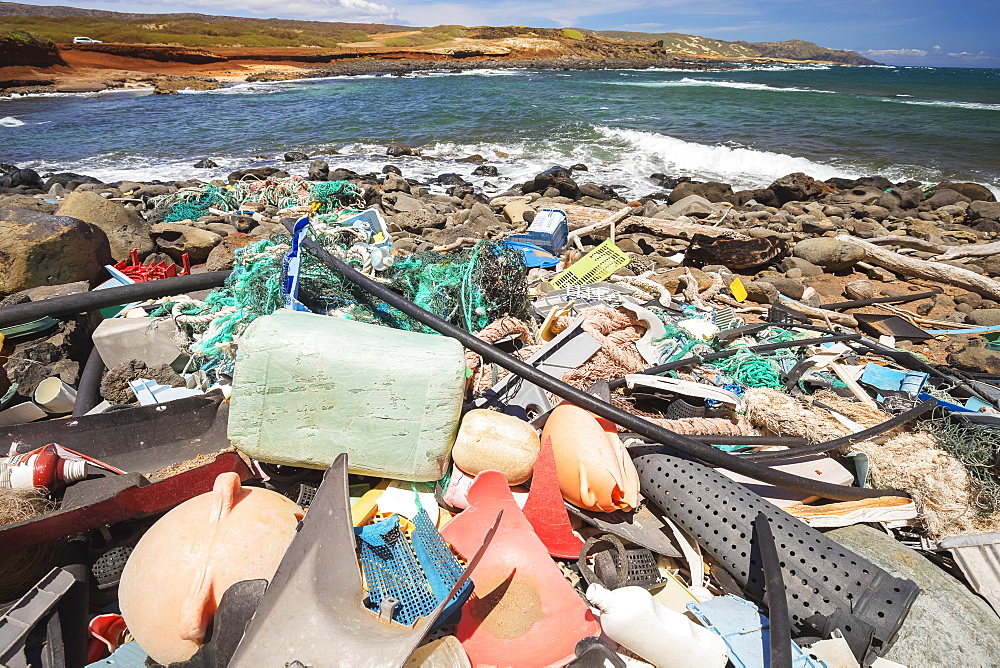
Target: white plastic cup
{"x":55,"y":396}
{"x":26,"y":412}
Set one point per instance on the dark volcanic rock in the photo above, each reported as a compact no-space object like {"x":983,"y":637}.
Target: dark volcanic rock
{"x":28,"y":178}
{"x":973,"y":191}
{"x":798,"y":187}
{"x":713,"y":191}
{"x":319,"y":170}
{"x":565,"y":186}
{"x":396,"y":150}
{"x":257,"y":174}
{"x":485,"y":170}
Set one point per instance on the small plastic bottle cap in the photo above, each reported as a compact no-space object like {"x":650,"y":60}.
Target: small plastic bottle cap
{"x":74,"y":470}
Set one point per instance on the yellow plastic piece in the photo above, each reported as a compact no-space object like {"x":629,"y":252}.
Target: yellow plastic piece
{"x":739,"y":292}
{"x":547,"y":334}
{"x":595,"y":266}
{"x":364,"y":510}
{"x":674,"y":594}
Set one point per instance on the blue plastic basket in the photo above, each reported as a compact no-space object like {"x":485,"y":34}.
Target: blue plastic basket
{"x":418,"y":571}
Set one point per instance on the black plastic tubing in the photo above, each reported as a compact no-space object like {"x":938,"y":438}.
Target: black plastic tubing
{"x":777,"y":605}
{"x":88,"y":391}
{"x":70,"y":305}
{"x":705,"y":453}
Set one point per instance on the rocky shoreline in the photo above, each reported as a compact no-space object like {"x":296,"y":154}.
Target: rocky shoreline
{"x":171,"y":82}
{"x":792,"y":237}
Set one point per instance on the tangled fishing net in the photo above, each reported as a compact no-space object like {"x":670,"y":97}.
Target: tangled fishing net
{"x":468,"y":288}
{"x":323,"y":197}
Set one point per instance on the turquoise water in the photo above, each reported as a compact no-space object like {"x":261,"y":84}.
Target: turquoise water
{"x":746,"y":127}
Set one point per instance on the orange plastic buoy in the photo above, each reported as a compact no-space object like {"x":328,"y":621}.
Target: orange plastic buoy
{"x":546,"y":511}
{"x":522,"y":612}
{"x":594,"y":469}
{"x":176,"y":576}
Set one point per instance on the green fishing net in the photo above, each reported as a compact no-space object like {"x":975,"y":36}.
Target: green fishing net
{"x":325,"y":197}
{"x":469,"y":288}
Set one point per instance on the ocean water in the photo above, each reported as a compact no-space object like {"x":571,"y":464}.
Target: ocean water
{"x":745,"y":127}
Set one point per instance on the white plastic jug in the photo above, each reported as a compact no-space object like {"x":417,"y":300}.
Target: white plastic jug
{"x":665,"y":638}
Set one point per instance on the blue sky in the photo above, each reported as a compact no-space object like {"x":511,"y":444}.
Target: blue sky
{"x":914,"y":32}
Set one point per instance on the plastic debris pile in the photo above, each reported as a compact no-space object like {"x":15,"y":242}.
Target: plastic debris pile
{"x":534,"y":449}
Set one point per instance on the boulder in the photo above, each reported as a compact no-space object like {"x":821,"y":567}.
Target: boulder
{"x":798,"y":187}
{"x":713,"y":191}
{"x":319,"y":170}
{"x":593,"y":190}
{"x":395,"y":183}
{"x":451,"y":179}
{"x":41,"y":249}
{"x":975,"y":357}
{"x":126,"y":229}
{"x":69,"y":180}
{"x":175,"y":239}
{"x":396,"y":150}
{"x":856,"y":195}
{"x":944,"y":197}
{"x":28,"y":178}
{"x":807,"y":268}
{"x":296,"y":156}
{"x":562,"y":184}
{"x":983,"y":209}
{"x":829,"y":253}
{"x":973,"y":191}
{"x":475,"y":159}
{"x":404,"y":202}
{"x":256,"y":174}
{"x":763,"y":196}
{"x":485,"y":170}
{"x":27,"y":202}
{"x":223,"y":255}
{"x":416,"y":221}
{"x":946,"y":621}
{"x":786,"y":286}
{"x":861,"y":289}
{"x":984,"y":317}
{"x":692,"y":205}
{"x":761,"y":292}
{"x":879,"y":182}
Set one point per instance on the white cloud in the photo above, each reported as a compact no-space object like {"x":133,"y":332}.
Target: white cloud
{"x":315,"y":10}
{"x":897,"y":53}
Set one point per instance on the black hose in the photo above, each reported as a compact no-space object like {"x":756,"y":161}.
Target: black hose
{"x":70,"y":305}
{"x":858,"y":303}
{"x":711,"y":357}
{"x":749,"y":441}
{"x":856,"y":437}
{"x":88,"y":390}
{"x":705,"y":453}
{"x":779,"y":621}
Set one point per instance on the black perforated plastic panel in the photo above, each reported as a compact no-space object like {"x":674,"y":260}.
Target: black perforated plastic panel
{"x":827,"y":585}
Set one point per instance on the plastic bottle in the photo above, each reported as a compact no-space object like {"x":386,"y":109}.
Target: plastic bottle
{"x":665,"y":638}
{"x":41,"y":468}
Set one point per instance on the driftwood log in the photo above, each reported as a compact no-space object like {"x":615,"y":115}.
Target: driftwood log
{"x":934,"y":271}
{"x":943,"y":252}
{"x":583,"y":216}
